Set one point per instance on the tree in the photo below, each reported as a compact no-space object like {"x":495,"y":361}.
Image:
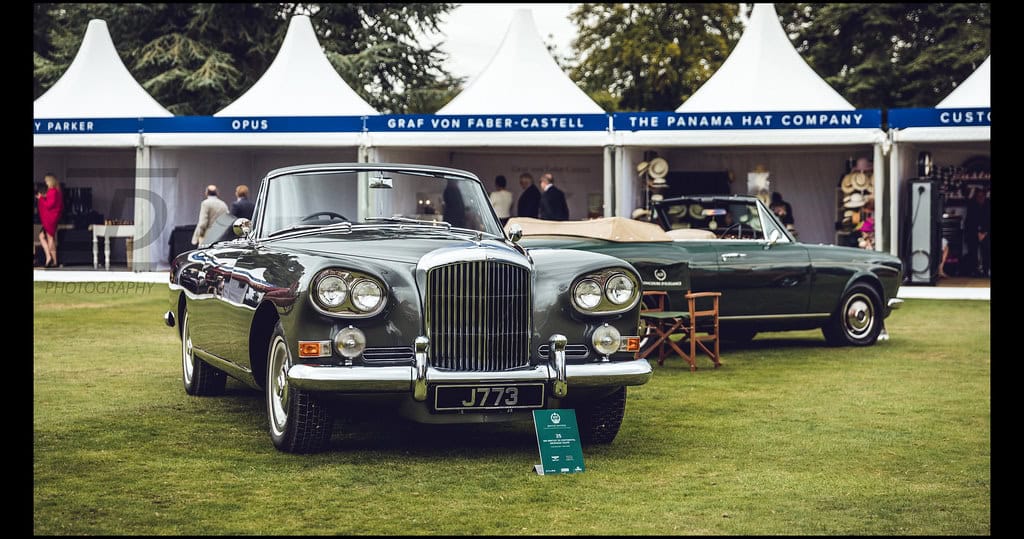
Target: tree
{"x":647,"y":56}
{"x":891,"y":55}
{"x":198,"y":58}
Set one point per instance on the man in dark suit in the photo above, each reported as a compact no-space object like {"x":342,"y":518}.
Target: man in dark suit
{"x":242,"y":207}
{"x":529,"y":202}
{"x":552,"y":200}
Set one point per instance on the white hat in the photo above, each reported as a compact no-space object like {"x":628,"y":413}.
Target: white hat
{"x":640,"y":212}
{"x":641,"y":167}
{"x":855,"y":200}
{"x":659,"y":167}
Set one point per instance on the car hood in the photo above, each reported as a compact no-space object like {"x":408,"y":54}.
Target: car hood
{"x":403,"y":249}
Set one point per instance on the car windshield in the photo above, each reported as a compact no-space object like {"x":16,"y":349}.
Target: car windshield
{"x":723,"y":218}
{"x":307,"y":200}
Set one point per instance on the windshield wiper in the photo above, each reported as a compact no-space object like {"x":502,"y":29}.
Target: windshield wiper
{"x":421,"y":222}
{"x":347,"y":226}
{"x":292,"y":228}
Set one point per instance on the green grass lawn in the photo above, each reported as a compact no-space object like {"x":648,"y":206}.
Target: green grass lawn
{"x":788,"y":437}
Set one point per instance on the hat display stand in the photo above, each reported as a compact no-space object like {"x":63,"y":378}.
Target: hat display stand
{"x":652,"y":173}
{"x":854,"y":202}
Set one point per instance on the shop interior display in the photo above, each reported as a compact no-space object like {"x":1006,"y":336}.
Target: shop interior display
{"x":956,"y":184}
{"x":855,"y":204}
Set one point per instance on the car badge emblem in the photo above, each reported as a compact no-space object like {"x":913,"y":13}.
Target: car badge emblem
{"x":660,"y":274}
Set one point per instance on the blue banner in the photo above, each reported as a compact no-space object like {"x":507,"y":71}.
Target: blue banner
{"x":394,"y":123}
{"x":254,"y":124}
{"x":978,"y":116}
{"x":805,"y":119}
{"x":63,"y":126}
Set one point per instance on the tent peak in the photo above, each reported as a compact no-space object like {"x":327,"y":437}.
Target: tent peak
{"x":974,"y":91}
{"x":299,"y":82}
{"x":97,"y":84}
{"x":764,"y":72}
{"x":521,"y":78}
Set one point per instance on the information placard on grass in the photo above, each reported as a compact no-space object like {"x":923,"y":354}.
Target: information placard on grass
{"x":558,"y":439}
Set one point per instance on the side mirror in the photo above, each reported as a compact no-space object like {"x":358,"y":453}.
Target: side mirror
{"x":515,"y":232}
{"x":241,"y":227}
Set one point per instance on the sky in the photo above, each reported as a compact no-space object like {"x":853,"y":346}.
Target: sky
{"x":473,"y":32}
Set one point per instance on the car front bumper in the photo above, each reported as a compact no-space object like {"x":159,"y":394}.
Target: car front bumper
{"x":416,"y":378}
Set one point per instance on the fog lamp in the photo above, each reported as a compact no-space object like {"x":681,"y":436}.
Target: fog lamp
{"x":606,"y":340}
{"x":350,"y":342}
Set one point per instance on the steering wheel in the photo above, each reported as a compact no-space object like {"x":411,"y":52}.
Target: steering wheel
{"x":330,"y":214}
{"x":737,"y":229}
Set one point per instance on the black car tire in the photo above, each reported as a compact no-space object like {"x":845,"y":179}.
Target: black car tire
{"x":858,"y":319}
{"x":298,"y":422}
{"x":599,"y":420}
{"x":199,"y":377}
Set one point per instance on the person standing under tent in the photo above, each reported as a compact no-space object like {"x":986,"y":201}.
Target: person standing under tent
{"x":211,"y":208}
{"x":552,"y":200}
{"x":242,"y":206}
{"x":529,"y":201}
{"x":977,"y":230}
{"x":501,"y":199}
{"x":51,"y":207}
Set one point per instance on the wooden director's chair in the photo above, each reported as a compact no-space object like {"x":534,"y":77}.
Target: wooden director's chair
{"x":699,"y":327}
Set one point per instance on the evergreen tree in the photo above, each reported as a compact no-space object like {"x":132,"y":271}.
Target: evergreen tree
{"x":650,"y":56}
{"x":195,"y":59}
{"x":891,"y":55}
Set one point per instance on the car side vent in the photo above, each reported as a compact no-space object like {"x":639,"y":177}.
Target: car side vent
{"x":572,"y":351}
{"x":390,"y":354}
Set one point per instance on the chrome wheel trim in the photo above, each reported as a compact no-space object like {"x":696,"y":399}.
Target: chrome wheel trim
{"x":277,"y":386}
{"x":187,"y":360}
{"x":859,"y":317}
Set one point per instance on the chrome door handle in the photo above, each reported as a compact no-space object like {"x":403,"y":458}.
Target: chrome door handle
{"x":727,"y":256}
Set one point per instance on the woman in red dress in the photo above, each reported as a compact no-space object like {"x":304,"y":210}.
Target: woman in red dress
{"x":51,"y":205}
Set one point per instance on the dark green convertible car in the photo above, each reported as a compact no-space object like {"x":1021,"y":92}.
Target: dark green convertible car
{"x":384,"y":285}
{"x":734,"y":245}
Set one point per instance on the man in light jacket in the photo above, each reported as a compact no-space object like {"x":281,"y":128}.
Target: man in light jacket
{"x":211,"y":208}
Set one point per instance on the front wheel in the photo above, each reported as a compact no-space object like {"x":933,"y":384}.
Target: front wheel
{"x":298,"y":422}
{"x":858,"y":319}
{"x":198,"y":376}
{"x":599,"y":420}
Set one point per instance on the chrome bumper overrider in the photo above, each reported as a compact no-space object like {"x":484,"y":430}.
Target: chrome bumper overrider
{"x":416,"y":378}
{"x":895,"y":303}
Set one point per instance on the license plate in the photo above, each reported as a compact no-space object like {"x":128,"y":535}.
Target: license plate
{"x":471,"y":397}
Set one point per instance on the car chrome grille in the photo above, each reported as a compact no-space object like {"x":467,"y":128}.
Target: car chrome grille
{"x":478,"y":316}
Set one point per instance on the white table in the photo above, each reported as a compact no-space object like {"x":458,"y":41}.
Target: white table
{"x":109,"y":232}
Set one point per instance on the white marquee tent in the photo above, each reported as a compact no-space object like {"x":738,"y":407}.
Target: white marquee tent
{"x":765,"y":81}
{"x":521,"y":85}
{"x":949,"y":145}
{"x":71,"y":139}
{"x":300,"y":89}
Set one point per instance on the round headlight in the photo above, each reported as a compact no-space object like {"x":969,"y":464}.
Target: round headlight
{"x":606,"y":340}
{"x":350,"y":342}
{"x":331,"y":291}
{"x":587,"y":294}
{"x":619,"y":289}
{"x":366,"y":295}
